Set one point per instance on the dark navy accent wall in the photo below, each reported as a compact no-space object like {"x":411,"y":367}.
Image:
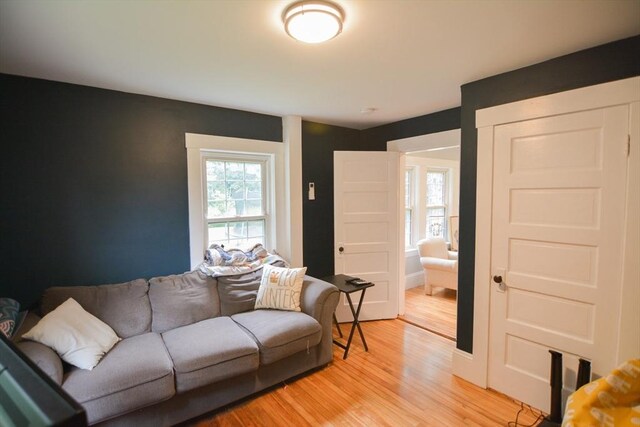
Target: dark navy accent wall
{"x":609,"y":62}
{"x":94,"y":182}
{"x":319,"y":141}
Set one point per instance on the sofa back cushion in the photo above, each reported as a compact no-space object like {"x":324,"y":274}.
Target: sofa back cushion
{"x":124,"y":306}
{"x":182,"y":299}
{"x":238,"y":293}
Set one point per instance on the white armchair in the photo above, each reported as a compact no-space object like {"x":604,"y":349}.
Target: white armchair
{"x":440,"y":265}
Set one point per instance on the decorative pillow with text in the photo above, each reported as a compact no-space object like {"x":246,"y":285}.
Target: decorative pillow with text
{"x":280,"y":288}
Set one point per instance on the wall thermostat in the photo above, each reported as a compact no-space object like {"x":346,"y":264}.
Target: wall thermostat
{"x":312,"y":191}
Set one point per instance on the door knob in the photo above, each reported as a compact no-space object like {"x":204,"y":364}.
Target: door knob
{"x":502,"y":286}
{"x":340,"y":249}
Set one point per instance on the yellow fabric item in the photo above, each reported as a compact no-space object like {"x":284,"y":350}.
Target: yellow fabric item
{"x":611,"y":401}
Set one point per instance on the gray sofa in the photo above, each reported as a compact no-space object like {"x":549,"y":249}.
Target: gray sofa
{"x":190,"y":344}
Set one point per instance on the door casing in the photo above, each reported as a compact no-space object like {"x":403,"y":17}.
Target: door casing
{"x":474,"y":367}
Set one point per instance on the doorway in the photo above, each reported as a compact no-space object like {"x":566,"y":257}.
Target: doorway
{"x":431,"y":194}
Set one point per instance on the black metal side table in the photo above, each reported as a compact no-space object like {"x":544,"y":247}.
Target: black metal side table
{"x":340,"y":281}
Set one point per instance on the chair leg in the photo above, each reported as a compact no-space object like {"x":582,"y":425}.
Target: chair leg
{"x":427,"y":289}
{"x":427,"y":286}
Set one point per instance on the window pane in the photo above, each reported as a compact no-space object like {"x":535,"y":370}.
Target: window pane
{"x":235,"y":190}
{"x":216,"y":209}
{"x":215,"y":170}
{"x":253,"y":208}
{"x":256,"y":229}
{"x":253,"y":190}
{"x":218,"y":233}
{"x":237,"y":229}
{"x":436,"y":224}
{"x":407,"y":227}
{"x":234,"y":171}
{"x":435,"y":188}
{"x":215,"y":190}
{"x":253,"y":172}
{"x":408,"y":177}
{"x":235,"y":208}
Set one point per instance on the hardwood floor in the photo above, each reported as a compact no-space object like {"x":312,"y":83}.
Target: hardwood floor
{"x":404,"y":380}
{"x":436,"y":312}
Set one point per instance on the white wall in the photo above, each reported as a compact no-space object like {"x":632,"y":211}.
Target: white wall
{"x":413,"y":269}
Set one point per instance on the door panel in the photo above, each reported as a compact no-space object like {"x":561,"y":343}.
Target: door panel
{"x":558,"y":213}
{"x":366,"y":227}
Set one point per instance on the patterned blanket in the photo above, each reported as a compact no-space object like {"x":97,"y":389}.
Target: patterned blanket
{"x":231,"y":262}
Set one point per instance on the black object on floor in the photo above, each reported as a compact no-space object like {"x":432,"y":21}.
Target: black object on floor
{"x":555,"y":415}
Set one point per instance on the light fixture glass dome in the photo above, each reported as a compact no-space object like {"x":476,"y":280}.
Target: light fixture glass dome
{"x":313,"y":21}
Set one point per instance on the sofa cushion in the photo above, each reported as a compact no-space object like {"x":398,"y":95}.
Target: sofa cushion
{"x":210,"y":351}
{"x":137,"y":372}
{"x":280,"y":333}
{"x":238,"y":292}
{"x":182,"y":299}
{"x":125,"y":306}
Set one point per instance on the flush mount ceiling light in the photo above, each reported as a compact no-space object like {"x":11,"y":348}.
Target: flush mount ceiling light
{"x":313,"y":21}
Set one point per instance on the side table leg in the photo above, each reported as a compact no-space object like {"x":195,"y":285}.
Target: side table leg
{"x":356,"y":316}
{"x":335,"y":319}
{"x":355,"y":324}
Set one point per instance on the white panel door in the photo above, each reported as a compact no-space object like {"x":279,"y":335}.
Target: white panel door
{"x":558,"y":218}
{"x":366,"y":209}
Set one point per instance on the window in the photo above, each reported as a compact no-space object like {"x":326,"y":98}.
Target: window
{"x":437,"y":203}
{"x":282,"y":213}
{"x":408,"y":206}
{"x":236,"y":200}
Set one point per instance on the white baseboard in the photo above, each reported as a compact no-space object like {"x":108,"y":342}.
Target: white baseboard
{"x":464,"y":367}
{"x":414,"y":280}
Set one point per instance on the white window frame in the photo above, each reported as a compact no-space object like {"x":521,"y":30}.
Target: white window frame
{"x":412,"y":205}
{"x":445,"y":206}
{"x":267,"y":194}
{"x":201,"y":146}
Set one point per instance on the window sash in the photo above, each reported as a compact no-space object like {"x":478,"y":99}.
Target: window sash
{"x":440,"y":220}
{"x":409,"y":198}
{"x":244,"y":219}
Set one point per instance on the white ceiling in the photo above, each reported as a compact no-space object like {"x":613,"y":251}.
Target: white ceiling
{"x":405,"y":58}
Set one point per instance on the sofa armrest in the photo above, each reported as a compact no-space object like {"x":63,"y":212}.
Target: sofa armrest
{"x":319,"y":300}
{"x":315,"y":296}
{"x":44,"y":357}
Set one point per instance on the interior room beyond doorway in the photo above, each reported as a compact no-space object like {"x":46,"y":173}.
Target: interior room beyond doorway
{"x":431,"y":198}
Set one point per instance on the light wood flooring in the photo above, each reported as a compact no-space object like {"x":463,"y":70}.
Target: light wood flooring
{"x":404,"y":380}
{"x":436,"y":312}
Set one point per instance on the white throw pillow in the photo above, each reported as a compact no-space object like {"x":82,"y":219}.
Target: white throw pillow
{"x":80,"y":338}
{"x":280,"y":288}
